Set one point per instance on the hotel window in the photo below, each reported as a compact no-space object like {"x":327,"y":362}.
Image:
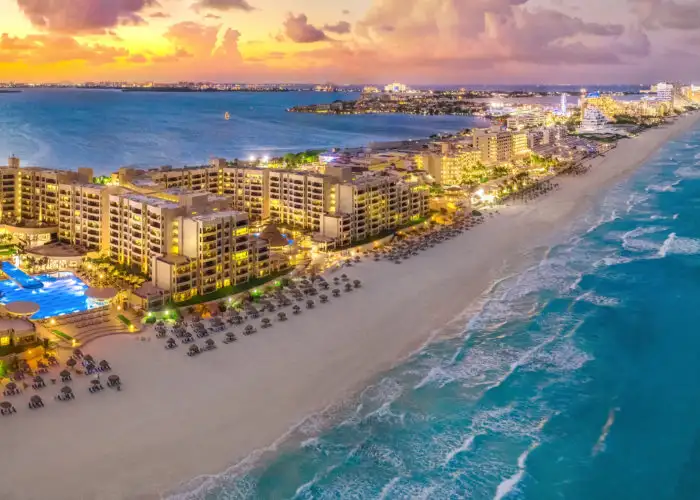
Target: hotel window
{"x":4,"y":341}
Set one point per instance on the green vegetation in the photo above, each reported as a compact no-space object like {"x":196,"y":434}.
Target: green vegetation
{"x":293,"y":160}
{"x":626,"y":119}
{"x":7,"y":350}
{"x":7,"y":250}
{"x":64,"y":336}
{"x":232,"y":290}
{"x":125,"y":320}
{"x":386,"y":233}
{"x":607,"y":139}
{"x":102,"y":179}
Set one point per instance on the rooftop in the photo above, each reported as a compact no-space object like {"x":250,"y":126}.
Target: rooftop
{"x":176,"y":260}
{"x":149,"y":200}
{"x":213,"y":216}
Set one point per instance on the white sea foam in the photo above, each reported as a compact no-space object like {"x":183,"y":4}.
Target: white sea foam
{"x":600,"y":444}
{"x":687,"y":173}
{"x":309,"y":484}
{"x":632,"y":242}
{"x":565,"y":358}
{"x":613,"y":261}
{"x":634,"y":200}
{"x":598,"y":300}
{"x":668,"y":187}
{"x":386,"y":490}
{"x":464,"y":446}
{"x":507,"y":486}
{"x":679,"y":245}
{"x":605,"y":219}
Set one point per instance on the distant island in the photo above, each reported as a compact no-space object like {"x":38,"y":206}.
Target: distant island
{"x":3,"y":91}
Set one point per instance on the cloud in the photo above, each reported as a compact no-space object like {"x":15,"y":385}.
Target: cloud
{"x":667,"y":14}
{"x":72,"y":16}
{"x":298,"y":29}
{"x":212,"y":16}
{"x":55,"y":48}
{"x":223,"y":5}
{"x":489,"y":33}
{"x":211,"y":46}
{"x":137,"y":59}
{"x":159,"y":15}
{"x":340,"y":28}
{"x":346,"y":12}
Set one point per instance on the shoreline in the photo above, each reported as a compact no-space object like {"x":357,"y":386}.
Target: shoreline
{"x":179,"y":418}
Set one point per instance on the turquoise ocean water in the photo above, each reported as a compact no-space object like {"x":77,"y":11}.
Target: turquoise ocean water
{"x":108,"y":129}
{"x":578,"y":378}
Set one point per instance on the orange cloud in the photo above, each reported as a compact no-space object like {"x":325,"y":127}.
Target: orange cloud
{"x":49,"y":49}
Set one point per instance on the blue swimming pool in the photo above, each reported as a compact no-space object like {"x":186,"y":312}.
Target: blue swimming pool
{"x":20,"y":277}
{"x":61,"y":293}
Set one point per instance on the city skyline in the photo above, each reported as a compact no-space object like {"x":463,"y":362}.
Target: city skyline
{"x":415,"y":41}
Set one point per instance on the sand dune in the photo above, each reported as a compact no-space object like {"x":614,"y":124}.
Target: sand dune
{"x":178,"y":418}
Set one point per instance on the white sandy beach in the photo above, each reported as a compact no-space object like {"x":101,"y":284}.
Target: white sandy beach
{"x":177,"y":418}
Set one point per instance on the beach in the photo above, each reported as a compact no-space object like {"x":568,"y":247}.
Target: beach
{"x":178,"y":418}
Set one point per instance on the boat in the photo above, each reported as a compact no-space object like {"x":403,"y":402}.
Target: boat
{"x":227,"y":116}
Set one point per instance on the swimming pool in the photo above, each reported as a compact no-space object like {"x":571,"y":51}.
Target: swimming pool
{"x":19,"y":276}
{"x":61,"y":293}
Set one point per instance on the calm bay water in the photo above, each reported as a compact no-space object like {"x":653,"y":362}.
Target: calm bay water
{"x":576,"y":380}
{"x":106,"y":129}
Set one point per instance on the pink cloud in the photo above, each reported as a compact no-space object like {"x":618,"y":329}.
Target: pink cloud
{"x":223,"y":5}
{"x":340,"y":28}
{"x":83,"y":15}
{"x":298,"y":29}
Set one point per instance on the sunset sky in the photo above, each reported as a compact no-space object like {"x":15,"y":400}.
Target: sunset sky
{"x":351,"y":41}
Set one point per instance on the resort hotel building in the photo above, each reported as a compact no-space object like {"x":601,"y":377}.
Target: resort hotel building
{"x":194,"y":230}
{"x":497,"y":146}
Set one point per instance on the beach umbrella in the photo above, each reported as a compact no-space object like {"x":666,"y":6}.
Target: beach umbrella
{"x":38,"y":380}
{"x":11,"y":386}
{"x":36,"y":400}
{"x":95,"y":382}
{"x":65,"y":373}
{"x":89,"y":358}
{"x":71,"y":363}
{"x":209,"y":342}
{"x":77,"y":353}
{"x":104,"y":364}
{"x":66,"y":390}
{"x":6,"y":405}
{"x":114,"y":379}
{"x":18,"y":375}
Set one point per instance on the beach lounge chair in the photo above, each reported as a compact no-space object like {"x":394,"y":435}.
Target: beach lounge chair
{"x":35,"y":402}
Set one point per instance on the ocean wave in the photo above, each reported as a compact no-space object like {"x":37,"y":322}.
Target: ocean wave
{"x":687,"y":173}
{"x":613,"y":261}
{"x":634,"y":200}
{"x":464,"y":446}
{"x":679,"y":246}
{"x":605,"y":219}
{"x":386,"y":490}
{"x":507,"y":486}
{"x":565,"y":358}
{"x":632,"y":242}
{"x":598,"y":300}
{"x":669,"y":187}
{"x":600,"y":443}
